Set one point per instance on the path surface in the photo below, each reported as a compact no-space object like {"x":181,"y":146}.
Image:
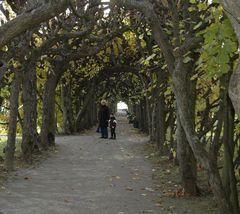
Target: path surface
{"x":87,"y":175}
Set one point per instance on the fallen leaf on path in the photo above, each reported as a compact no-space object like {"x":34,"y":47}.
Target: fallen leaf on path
{"x":159,"y":201}
{"x":135,"y":178}
{"x":66,"y":200}
{"x":149,"y":189}
{"x":116,"y":177}
{"x":129,"y":189}
{"x":175,"y":194}
{"x":143,"y":194}
{"x":158,"y":205}
{"x":27,"y":178}
{"x":172,"y":207}
{"x":147,"y":211}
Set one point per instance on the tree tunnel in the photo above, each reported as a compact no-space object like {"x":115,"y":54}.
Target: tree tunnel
{"x":171,"y":62}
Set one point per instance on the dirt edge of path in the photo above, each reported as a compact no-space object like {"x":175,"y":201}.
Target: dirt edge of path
{"x":166,"y":181}
{"x":37,"y":159}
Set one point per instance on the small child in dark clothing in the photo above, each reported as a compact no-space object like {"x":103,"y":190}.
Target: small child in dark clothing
{"x":113,"y":124}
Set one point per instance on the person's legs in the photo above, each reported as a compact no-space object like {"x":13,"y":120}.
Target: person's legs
{"x":102,"y":132}
{"x":114,"y":133}
{"x":111,"y":133}
{"x":105,"y":132}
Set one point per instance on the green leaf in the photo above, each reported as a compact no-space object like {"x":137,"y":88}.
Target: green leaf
{"x":187,"y":59}
{"x":197,"y":26}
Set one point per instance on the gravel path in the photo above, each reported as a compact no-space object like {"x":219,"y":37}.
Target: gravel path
{"x":87,"y":175}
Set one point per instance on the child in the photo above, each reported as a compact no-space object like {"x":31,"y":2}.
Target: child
{"x":112,"y":124}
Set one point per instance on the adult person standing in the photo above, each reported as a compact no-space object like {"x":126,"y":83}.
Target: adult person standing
{"x":104,"y":115}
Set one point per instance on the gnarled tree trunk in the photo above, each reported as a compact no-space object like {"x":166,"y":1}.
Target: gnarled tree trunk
{"x":228,"y":178}
{"x":68,"y":121}
{"x":48,"y":127}
{"x":48,"y":116}
{"x":187,"y":162}
{"x":14,"y":97}
{"x":161,"y":124}
{"x":29,"y":135}
{"x":85,"y":106}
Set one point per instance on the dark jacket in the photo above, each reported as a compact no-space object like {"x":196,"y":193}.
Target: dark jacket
{"x":112,"y":122}
{"x":104,"y":115}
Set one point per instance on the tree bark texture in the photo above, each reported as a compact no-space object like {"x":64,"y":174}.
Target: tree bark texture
{"x":229,"y":179}
{"x":144,"y":115}
{"x":85,"y":106}
{"x":153,"y":122}
{"x":187,"y":163}
{"x":14,"y":102}
{"x":48,"y":116}
{"x":68,"y":120}
{"x":48,"y":127}
{"x":148,"y":112}
{"x":161,"y":124}
{"x":29,"y":135}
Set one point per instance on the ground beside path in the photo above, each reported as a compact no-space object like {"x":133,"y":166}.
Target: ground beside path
{"x":87,"y":175}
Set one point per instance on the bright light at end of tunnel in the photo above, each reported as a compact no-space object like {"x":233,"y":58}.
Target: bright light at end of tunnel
{"x":122,"y":105}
